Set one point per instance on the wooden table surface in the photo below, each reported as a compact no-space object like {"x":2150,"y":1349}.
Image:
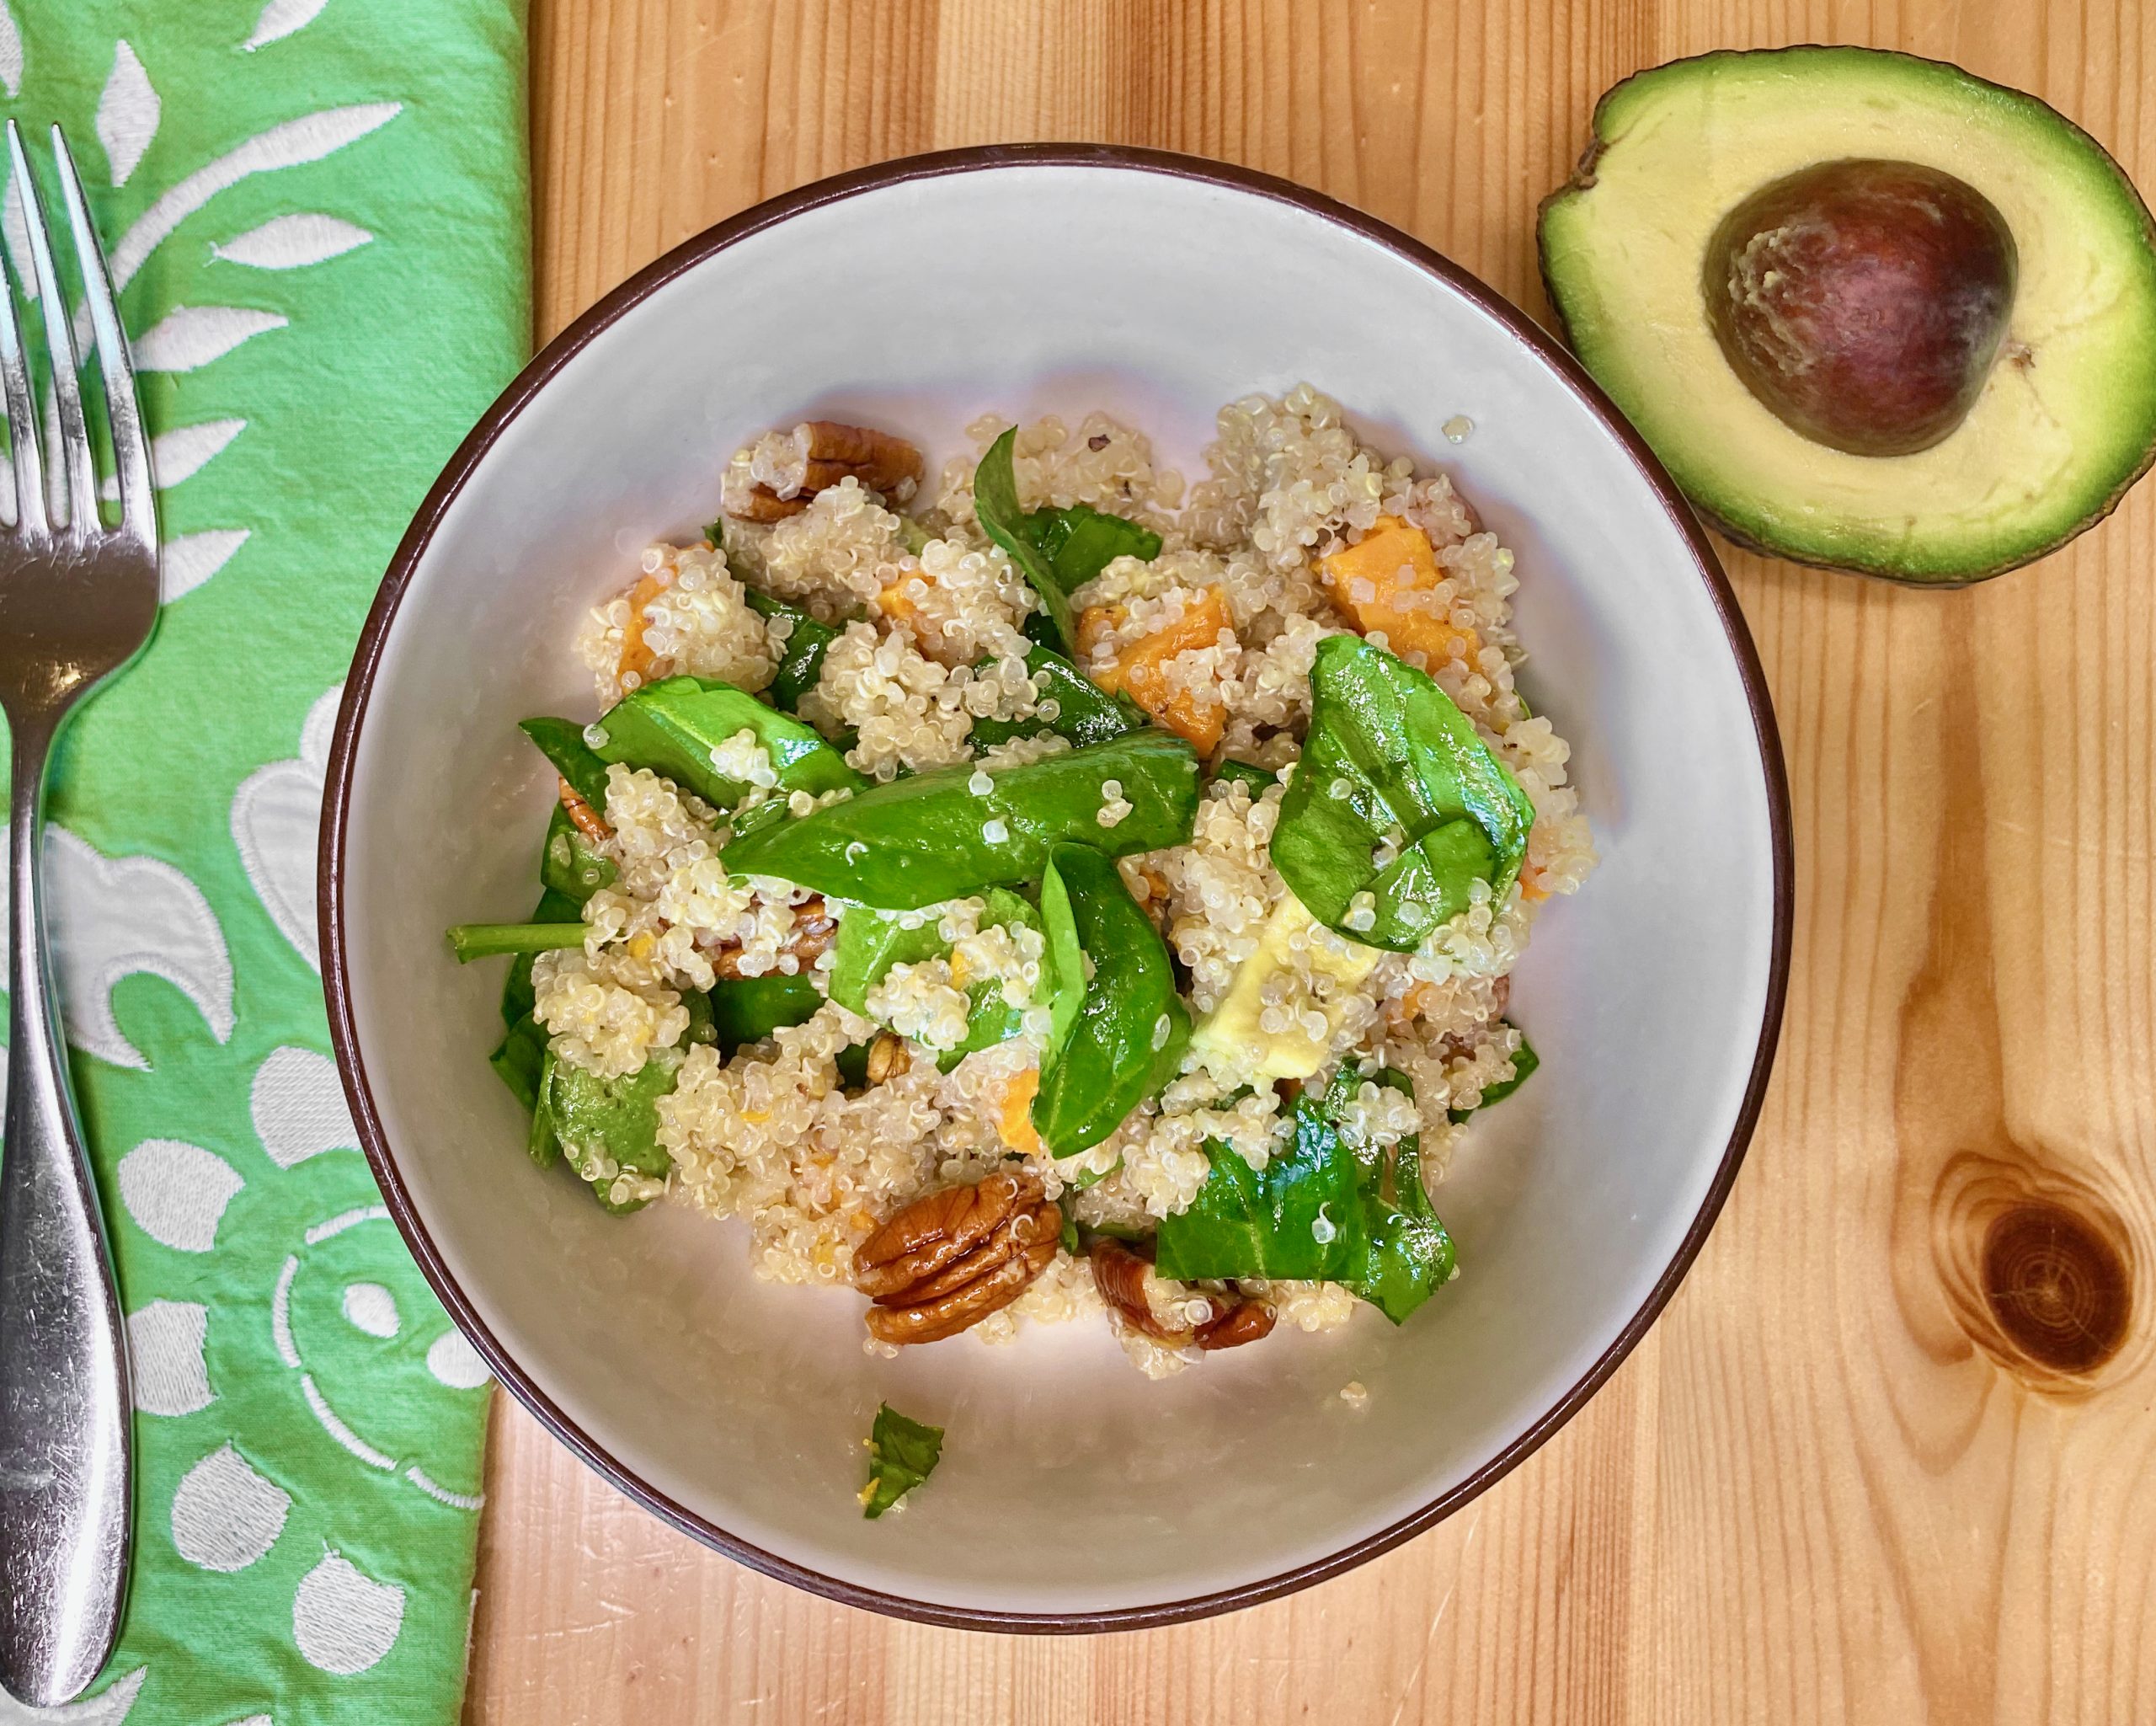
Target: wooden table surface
{"x":1844,"y":1479}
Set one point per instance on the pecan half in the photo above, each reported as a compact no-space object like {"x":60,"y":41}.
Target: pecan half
{"x":883,"y":463}
{"x":813,"y":930}
{"x":887,"y":1057}
{"x":587,"y":820}
{"x":953,"y":1256}
{"x":1246,"y":1322}
{"x":1121,"y":1272}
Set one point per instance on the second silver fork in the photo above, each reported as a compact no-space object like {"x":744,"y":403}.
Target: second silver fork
{"x":77,"y":601}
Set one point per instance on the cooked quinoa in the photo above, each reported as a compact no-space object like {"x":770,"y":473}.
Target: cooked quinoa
{"x":931,"y":622}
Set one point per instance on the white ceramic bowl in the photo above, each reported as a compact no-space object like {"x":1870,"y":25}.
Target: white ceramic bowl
{"x":1073,"y":1494}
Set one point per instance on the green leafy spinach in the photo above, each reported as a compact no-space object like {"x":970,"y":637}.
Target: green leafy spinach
{"x":672,"y":727}
{"x":1085,"y":712}
{"x":1389,"y":757}
{"x":931,"y":837}
{"x":1117,"y":1026}
{"x":801,"y":662}
{"x":1058,"y":551}
{"x":562,"y":742}
{"x":1317,"y":1210}
{"x":902,"y":1453}
{"x":1525,"y":1062}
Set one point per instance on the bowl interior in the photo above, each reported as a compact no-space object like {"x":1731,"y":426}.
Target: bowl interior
{"x":1070,"y":1483}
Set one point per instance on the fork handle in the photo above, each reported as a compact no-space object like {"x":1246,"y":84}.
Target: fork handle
{"x":65,"y":1445}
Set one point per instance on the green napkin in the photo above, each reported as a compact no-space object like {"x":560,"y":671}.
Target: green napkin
{"x":317,"y":212}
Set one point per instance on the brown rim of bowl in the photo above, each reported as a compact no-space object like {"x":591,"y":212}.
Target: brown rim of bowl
{"x":337,"y":810}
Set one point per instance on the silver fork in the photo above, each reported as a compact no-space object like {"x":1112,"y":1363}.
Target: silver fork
{"x":77,"y":601}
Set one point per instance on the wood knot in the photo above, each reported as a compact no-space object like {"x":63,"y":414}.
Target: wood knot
{"x":2038,"y":1269}
{"x":2057,"y":1289}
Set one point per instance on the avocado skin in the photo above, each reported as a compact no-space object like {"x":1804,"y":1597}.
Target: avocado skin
{"x":1582,"y":178}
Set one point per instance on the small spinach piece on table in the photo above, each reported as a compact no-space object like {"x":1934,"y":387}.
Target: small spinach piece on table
{"x":801,"y":662}
{"x":1525,"y":1062}
{"x":672,"y":727}
{"x":902,"y":1453}
{"x":918,"y":841}
{"x":563,"y":742}
{"x":1387,"y":749}
{"x":1058,"y":551}
{"x":1112,"y":1031}
{"x":1085,"y":712}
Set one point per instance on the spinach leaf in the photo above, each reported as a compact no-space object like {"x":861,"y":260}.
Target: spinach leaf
{"x":918,"y":841}
{"x":1300,"y":1216}
{"x":516,"y":993}
{"x":1387,"y":748}
{"x":991,"y":1018}
{"x":562,"y":742}
{"x":749,"y":1009}
{"x":1058,"y":551}
{"x":672,"y":727}
{"x":1257,"y":779}
{"x":1411,"y":1256}
{"x":571,"y":866}
{"x":521,"y":1058}
{"x":540,"y":1144}
{"x":1080,"y":542}
{"x":595,"y":1118}
{"x":1525,"y":1062}
{"x":470,"y":941}
{"x":869,"y":943}
{"x":801,"y":662}
{"x":1085,"y":712}
{"x":1319,"y":1209}
{"x":902,"y":1453}
{"x":1113,"y":1028}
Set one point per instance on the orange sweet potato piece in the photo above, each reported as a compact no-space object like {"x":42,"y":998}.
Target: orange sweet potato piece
{"x":1140,"y":669}
{"x":635,"y":655}
{"x":1016,"y":1121}
{"x":1395,"y":558}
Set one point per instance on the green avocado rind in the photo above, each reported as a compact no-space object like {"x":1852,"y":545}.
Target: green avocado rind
{"x":1785,"y":526}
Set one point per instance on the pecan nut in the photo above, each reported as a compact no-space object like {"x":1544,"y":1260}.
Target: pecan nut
{"x":882,"y":463}
{"x":586,"y":820}
{"x":1212,"y":1321}
{"x":814,"y":929}
{"x":953,"y":1257}
{"x":887,"y":1058}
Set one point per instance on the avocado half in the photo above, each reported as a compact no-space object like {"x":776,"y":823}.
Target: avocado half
{"x":2064,"y":423}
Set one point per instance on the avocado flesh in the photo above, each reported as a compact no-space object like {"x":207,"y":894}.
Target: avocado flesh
{"x":2067,"y":419}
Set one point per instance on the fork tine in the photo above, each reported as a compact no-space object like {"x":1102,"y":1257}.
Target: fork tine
{"x":130,"y":453}
{"x":59,"y":345}
{"x":22,"y":423}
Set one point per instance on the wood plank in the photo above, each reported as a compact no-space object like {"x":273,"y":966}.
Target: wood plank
{"x":1831,"y":1486}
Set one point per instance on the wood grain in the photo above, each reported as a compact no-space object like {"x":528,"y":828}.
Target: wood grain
{"x":1831,"y":1486}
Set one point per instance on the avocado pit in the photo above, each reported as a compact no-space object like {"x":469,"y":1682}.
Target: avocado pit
{"x":1863,"y":302}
